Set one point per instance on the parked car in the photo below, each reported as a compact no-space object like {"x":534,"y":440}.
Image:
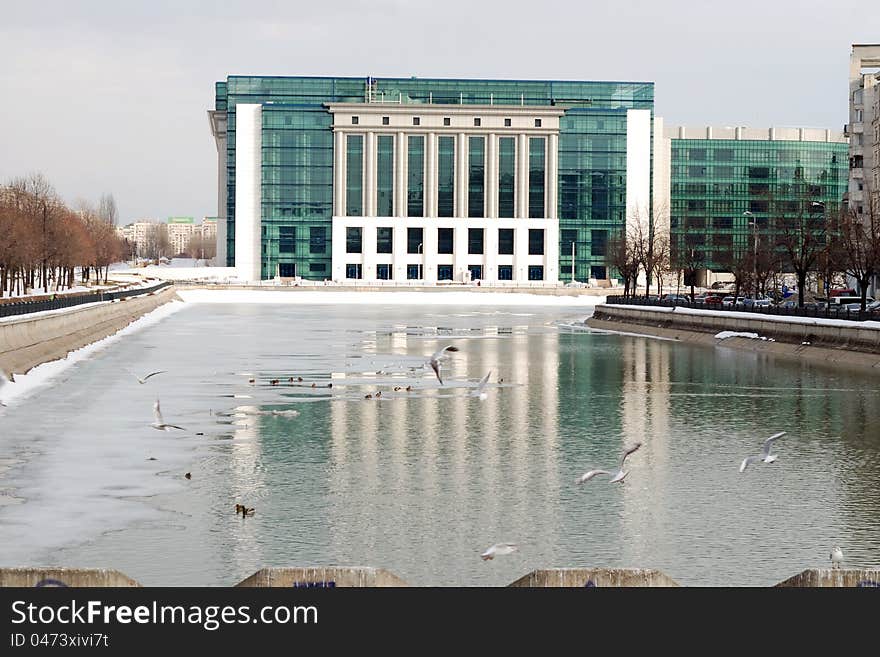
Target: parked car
{"x":727,"y":302}
{"x":740,"y":302}
{"x":789,"y":304}
{"x":677,"y":298}
{"x":760,"y":302}
{"x":713,"y":300}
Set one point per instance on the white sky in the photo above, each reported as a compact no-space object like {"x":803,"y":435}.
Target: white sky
{"x":106,"y":96}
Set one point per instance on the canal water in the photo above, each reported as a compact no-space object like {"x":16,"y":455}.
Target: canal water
{"x":423,"y":477}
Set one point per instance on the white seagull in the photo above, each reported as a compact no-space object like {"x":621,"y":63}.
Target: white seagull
{"x":621,"y":473}
{"x":481,"y":388}
{"x":766,"y":456}
{"x":434,"y":360}
{"x":498,"y":550}
{"x":589,"y":475}
{"x":160,"y":423}
{"x":836,"y":557}
{"x":144,"y":379}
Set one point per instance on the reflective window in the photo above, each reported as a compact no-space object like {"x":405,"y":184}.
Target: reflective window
{"x":476,"y":177}
{"x":354,"y":174}
{"x":415,"y":190}
{"x":475,"y":241}
{"x":536,"y":272}
{"x":353,"y":239}
{"x":384,"y":239}
{"x":445,"y":243}
{"x":505,"y":241}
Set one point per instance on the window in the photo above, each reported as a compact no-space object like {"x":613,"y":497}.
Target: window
{"x":385,"y":176}
{"x":722,"y":222}
{"x":505,"y":272}
{"x":477,"y":122}
{"x":286,"y":269}
{"x":598,"y":272}
{"x":353,"y":240}
{"x":412,"y":272}
{"x":475,"y":241}
{"x":354,"y":175}
{"x":416,"y":120}
{"x":386,"y":120}
{"x":286,"y":239}
{"x":696,"y":153}
{"x":568,"y":241}
{"x":506,"y":123}
{"x":383,"y":272}
{"x":536,"y":241}
{"x":317,"y":239}
{"x":536,"y":272}
{"x":696,"y":172}
{"x":414,"y":240}
{"x":696,"y":222}
{"x":415,"y":190}
{"x":445,"y":240}
{"x":446,"y":177}
{"x":536,"y":177}
{"x":318,"y":267}
{"x":506,"y":176}
{"x":476,"y":272}
{"x":384,"y":239}
{"x":444,"y":272}
{"x":354,"y":120}
{"x":353,"y":270}
{"x":724,"y":155}
{"x":598,"y":242}
{"x":505,"y":241}
{"x":476,"y":176}
{"x":537,"y":123}
{"x":447,"y":120}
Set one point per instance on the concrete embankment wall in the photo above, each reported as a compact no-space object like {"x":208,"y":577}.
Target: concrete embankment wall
{"x":79,"y":577}
{"x":26,"y":342}
{"x":328,"y":577}
{"x":599,"y":577}
{"x":830,"y":344}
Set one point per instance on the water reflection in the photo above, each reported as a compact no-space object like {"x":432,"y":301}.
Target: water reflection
{"x":421,"y":481}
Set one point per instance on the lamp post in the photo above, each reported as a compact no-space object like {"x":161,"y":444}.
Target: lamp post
{"x":754,"y":224}
{"x":572,"y":262}
{"x":420,"y":261}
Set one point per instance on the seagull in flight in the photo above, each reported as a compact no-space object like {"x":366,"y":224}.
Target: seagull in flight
{"x":434,"y":360}
{"x":766,"y":456}
{"x":621,"y":473}
{"x":836,"y":557}
{"x":589,"y":475}
{"x":144,"y":379}
{"x":160,"y":423}
{"x":481,"y":388}
{"x":498,"y":550}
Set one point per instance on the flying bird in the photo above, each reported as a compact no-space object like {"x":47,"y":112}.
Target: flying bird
{"x":589,"y":475}
{"x":499,"y":549}
{"x":836,"y":557}
{"x":621,"y":473}
{"x":160,"y":423}
{"x":144,"y":379}
{"x":481,"y":388}
{"x":434,"y":360}
{"x":766,"y":456}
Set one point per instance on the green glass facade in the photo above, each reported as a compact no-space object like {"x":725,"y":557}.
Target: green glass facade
{"x":537,"y":160}
{"x":354,"y":176}
{"x":415,"y":171}
{"x":476,"y":176}
{"x":715,"y":181}
{"x":385,"y":176}
{"x":297,"y":144}
{"x":506,"y":176}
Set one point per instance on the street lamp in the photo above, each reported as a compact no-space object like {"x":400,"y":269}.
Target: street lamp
{"x":754,"y":224}
{"x":420,"y":261}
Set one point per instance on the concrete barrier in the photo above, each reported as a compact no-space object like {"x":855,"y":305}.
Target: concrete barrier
{"x":598,"y":577}
{"x":73,"y":577}
{"x":26,"y":342}
{"x":834,"y":577}
{"x":322,"y":577}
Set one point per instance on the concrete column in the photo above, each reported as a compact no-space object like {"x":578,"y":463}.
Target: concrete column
{"x":429,"y":253}
{"x":522,"y":177}
{"x":339,"y":174}
{"x":492,"y":175}
{"x":369,"y":175}
{"x":521,"y":253}
{"x":490,"y":253}
{"x":401,"y":149}
{"x":337,"y":249}
{"x":248,"y":191}
{"x":398,"y":255}
{"x":431,"y":183}
{"x":460,"y":247}
{"x":368,"y":249}
{"x":552,"y":176}
{"x":461,"y":176}
{"x":551,"y":251}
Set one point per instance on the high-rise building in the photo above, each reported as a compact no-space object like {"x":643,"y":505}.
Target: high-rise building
{"x":863,"y":127}
{"x":180,"y":231}
{"x":731,"y":186}
{"x":411,"y":179}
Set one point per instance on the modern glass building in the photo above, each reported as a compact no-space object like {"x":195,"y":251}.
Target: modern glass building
{"x":730,"y":184}
{"x":412,"y":179}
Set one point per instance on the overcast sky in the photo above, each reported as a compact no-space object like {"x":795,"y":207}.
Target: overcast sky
{"x":107,"y":96}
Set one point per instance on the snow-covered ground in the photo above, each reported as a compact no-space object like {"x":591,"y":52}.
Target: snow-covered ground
{"x":811,"y":321}
{"x":42,"y":374}
{"x":723,"y":335}
{"x":457,"y":298}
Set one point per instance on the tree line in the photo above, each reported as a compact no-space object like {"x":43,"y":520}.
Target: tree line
{"x":44,"y":242}
{"x":815,"y":244}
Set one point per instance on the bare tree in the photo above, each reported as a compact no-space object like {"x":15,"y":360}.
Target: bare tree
{"x":860,"y":245}
{"x":801,"y":238}
{"x":107,"y":209}
{"x":622,"y":256}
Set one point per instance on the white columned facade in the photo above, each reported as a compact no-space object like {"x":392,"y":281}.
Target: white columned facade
{"x":461,"y":122}
{"x":638,"y":166}
{"x":248,"y":188}
{"x":219,"y":131}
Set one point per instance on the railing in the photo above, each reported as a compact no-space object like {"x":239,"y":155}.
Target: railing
{"x":829,"y":312}
{"x":25,"y":307}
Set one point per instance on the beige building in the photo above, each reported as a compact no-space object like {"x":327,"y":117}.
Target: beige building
{"x":863,"y":128}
